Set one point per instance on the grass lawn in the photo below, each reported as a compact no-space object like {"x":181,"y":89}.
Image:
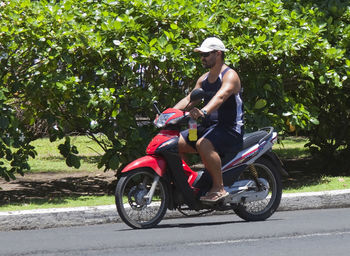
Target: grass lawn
{"x":323,"y":184}
{"x":59,"y":203}
{"x":291,"y":150}
{"x":304,"y":174}
{"x":49,"y":158}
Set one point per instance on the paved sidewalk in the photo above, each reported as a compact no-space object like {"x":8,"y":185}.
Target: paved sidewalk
{"x":60,"y":217}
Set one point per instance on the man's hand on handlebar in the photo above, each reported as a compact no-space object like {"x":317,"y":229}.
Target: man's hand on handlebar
{"x":196,"y":113}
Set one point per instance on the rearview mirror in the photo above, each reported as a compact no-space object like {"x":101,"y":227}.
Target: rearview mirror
{"x":197,"y":94}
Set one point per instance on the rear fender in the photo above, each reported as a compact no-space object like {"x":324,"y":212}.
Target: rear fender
{"x":158,"y":164}
{"x":277,"y":162}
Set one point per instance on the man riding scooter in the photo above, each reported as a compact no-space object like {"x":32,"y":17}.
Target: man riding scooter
{"x":222,"y":128}
{"x":249,"y":180}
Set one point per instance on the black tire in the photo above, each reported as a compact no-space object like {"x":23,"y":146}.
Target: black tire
{"x":263,"y":209}
{"x":134,"y":211}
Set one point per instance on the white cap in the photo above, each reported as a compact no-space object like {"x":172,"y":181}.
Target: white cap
{"x":211,"y":44}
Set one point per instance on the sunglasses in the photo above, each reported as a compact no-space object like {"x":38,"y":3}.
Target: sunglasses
{"x":206,"y":54}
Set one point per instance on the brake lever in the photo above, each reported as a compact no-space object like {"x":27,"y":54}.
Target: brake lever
{"x":155,"y":106}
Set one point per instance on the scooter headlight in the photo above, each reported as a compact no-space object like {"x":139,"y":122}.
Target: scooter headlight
{"x":162,"y":119}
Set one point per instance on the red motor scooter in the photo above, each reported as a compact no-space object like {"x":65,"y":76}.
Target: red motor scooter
{"x":161,"y":180}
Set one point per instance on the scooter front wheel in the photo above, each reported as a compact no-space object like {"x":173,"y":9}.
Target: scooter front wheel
{"x":133,"y":203}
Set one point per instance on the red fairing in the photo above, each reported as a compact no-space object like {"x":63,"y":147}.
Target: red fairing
{"x":159,"y":139}
{"x":178,"y":113}
{"x":156,"y":163}
{"x":192,"y":175}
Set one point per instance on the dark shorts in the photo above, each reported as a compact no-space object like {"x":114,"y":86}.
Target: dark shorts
{"x":223,"y":139}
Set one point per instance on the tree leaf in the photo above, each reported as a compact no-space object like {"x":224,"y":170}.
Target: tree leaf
{"x":261,"y":103}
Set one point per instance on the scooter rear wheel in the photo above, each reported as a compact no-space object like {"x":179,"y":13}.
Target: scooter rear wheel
{"x":263,"y":209}
{"x":131,"y":201}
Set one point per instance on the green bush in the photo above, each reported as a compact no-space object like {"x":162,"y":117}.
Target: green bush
{"x":94,"y":67}
{"x":14,"y":142}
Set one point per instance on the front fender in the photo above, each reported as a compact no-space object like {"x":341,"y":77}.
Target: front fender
{"x":158,"y":164}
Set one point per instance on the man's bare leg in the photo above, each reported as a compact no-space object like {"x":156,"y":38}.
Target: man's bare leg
{"x":184,"y":147}
{"x":212,"y":162}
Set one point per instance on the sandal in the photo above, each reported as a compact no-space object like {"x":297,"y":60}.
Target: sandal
{"x":213,"y":197}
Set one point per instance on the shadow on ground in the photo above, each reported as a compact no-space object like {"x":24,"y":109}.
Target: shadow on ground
{"x":304,"y":172}
{"x":54,"y":189}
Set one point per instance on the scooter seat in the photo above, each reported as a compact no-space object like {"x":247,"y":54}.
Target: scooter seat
{"x":249,"y":139}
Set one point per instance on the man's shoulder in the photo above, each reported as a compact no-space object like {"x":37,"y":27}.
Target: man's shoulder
{"x":230,"y":74}
{"x":232,"y":79}
{"x":203,"y":77}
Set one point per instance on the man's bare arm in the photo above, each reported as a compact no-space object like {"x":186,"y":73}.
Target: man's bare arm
{"x":230,"y":85}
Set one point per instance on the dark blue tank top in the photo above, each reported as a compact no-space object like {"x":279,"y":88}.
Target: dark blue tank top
{"x":230,"y":113}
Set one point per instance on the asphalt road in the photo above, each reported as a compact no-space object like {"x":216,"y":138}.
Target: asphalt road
{"x":308,"y":232}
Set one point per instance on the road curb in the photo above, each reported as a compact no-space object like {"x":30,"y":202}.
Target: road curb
{"x":315,"y":200}
{"x":63,"y":217}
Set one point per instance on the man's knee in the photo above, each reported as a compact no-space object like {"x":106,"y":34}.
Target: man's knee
{"x":204,"y":145}
{"x":184,"y":147}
